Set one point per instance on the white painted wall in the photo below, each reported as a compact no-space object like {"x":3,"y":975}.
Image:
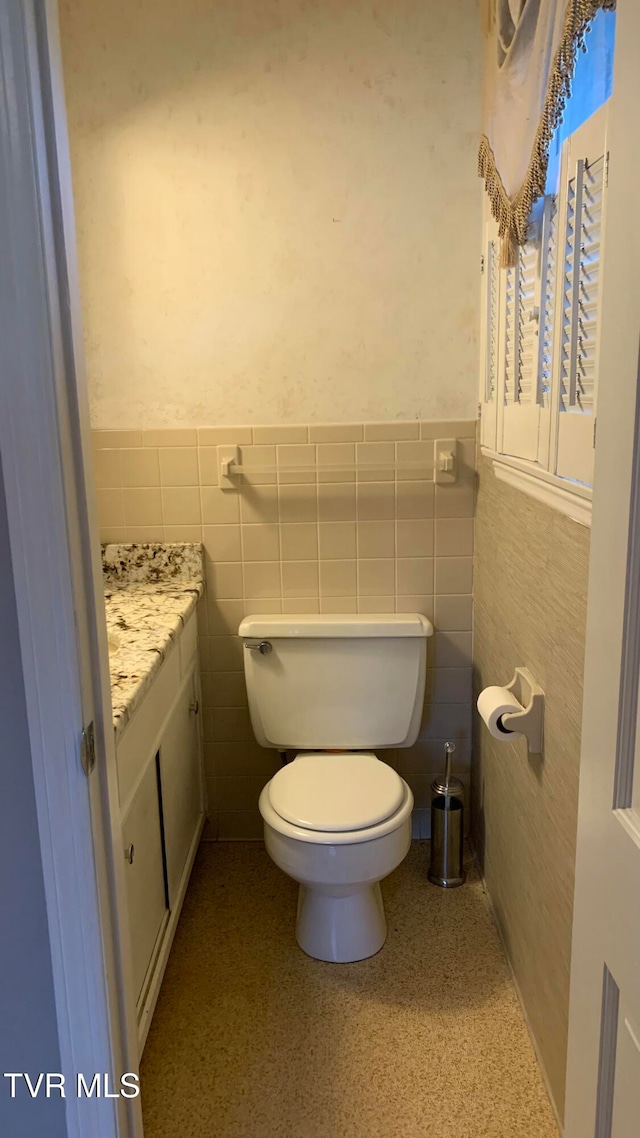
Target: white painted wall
{"x":278,"y":208}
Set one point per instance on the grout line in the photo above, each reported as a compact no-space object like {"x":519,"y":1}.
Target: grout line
{"x":317,"y":522}
{"x":395,"y":529}
{"x":280,"y":523}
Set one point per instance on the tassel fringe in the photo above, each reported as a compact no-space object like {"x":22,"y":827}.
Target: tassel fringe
{"x":513,"y":214}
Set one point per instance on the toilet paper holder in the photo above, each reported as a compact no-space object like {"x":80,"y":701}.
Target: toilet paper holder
{"x":529,"y":721}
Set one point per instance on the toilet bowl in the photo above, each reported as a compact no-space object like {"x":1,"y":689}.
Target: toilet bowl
{"x":337,"y":819}
{"x":340,"y":914}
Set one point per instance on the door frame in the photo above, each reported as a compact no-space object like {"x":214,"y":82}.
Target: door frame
{"x":54,"y":548}
{"x":611,"y":660}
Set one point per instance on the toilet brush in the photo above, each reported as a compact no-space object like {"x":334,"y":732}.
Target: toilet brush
{"x":447,"y":830}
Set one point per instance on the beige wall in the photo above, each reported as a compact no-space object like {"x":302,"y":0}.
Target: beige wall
{"x":277,"y":207}
{"x":297,"y":542}
{"x":531,"y":567}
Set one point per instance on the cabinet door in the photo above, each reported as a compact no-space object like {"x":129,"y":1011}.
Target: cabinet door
{"x":181,"y":781}
{"x":145,"y":875}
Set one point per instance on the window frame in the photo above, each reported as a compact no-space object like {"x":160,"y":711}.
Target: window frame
{"x":529,"y":461}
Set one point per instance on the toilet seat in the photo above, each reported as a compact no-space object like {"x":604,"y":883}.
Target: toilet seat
{"x":336,"y":792}
{"x":288,"y":829}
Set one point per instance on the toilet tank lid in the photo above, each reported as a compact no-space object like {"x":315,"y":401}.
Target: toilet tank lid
{"x":336,"y":625}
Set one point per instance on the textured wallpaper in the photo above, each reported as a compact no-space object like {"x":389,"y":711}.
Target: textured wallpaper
{"x":530,"y":599}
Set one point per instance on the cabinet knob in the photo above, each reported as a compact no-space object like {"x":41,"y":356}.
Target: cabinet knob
{"x":129,"y":853}
{"x":194,"y":707}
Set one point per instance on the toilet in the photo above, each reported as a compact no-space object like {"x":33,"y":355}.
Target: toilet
{"x":336,"y":819}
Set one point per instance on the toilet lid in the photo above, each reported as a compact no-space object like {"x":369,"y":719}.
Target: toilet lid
{"x":336,"y":792}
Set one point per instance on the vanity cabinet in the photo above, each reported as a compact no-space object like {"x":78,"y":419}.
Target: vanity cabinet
{"x":161,"y":807}
{"x":145,"y":875}
{"x":181,"y":782}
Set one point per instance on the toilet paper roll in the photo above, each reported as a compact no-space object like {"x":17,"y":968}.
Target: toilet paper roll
{"x":493,"y":703}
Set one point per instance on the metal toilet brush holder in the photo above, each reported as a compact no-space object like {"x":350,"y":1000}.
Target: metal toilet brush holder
{"x":447,"y":827}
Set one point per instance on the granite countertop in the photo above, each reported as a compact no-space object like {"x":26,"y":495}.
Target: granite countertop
{"x":150,"y":591}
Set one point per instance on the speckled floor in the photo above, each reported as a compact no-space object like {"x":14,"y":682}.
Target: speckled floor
{"x":252,"y":1039}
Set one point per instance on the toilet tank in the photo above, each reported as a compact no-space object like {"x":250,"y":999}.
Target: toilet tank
{"x":344,"y":682}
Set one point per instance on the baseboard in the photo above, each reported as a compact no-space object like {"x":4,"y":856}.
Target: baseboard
{"x":516,"y":986}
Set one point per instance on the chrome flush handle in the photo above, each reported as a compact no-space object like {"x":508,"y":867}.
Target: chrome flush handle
{"x":264,"y":647}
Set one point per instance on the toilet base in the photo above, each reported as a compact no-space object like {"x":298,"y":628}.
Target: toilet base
{"x":341,"y":929}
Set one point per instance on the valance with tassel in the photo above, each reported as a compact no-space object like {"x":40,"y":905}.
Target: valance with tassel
{"x":530,"y":55}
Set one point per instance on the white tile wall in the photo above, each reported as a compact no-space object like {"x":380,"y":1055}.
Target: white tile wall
{"x":297,"y":541}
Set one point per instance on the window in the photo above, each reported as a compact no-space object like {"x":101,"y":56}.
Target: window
{"x":541,"y":319}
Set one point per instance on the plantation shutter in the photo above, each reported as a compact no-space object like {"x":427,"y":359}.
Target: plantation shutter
{"x":490,"y":310}
{"x":519,"y":359}
{"x":581,"y":224}
{"x":547,"y":307}
{"x":548,"y":286}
